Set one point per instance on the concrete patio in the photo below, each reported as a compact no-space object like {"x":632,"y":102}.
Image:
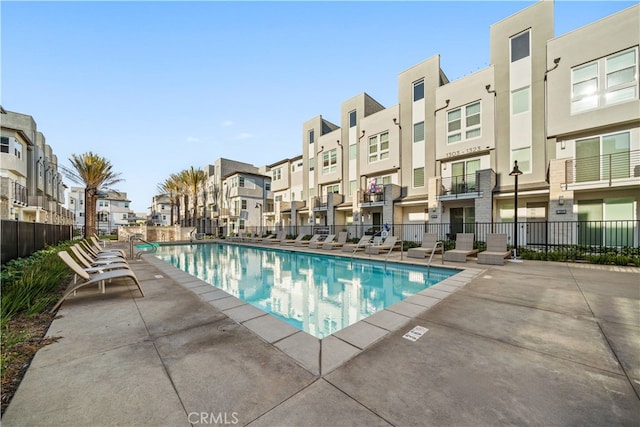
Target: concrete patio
{"x":536,"y":343}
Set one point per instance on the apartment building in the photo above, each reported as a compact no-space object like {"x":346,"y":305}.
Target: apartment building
{"x":31,"y":186}
{"x":444,"y":154}
{"x":565,"y":108}
{"x":593,"y":127}
{"x":161,"y":210}
{"x":248,"y":199}
{"x":112,"y":210}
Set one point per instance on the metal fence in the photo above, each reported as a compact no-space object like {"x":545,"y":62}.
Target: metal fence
{"x":21,"y":239}
{"x":590,"y":237}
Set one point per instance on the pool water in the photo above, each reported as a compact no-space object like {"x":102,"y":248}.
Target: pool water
{"x":319,"y":294}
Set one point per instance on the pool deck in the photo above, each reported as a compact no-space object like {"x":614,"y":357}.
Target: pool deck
{"x":532,"y":343}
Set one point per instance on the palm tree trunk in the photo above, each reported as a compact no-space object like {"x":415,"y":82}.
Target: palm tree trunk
{"x":90,"y":212}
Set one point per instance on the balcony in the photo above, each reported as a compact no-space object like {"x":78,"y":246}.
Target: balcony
{"x":372,"y":195}
{"x":20,"y":194}
{"x":460,"y":186}
{"x":609,"y":170}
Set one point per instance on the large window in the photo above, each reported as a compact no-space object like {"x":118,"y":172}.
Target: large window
{"x":353,"y":152}
{"x":352,"y":118}
{"x":352,"y":187}
{"x":464,"y":123}
{"x":312,"y":136}
{"x":520,"y":46}
{"x":312,"y":164}
{"x":379,"y":147}
{"x":418,"y":90}
{"x":520,"y":100}
{"x":418,"y":177}
{"x":276,"y":174}
{"x":523,"y":157}
{"x":329,"y":161}
{"x":605,"y":81}
{"x":603,"y":157}
{"x":334,"y":188}
{"x":418,"y":132}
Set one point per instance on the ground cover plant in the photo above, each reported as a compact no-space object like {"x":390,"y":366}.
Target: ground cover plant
{"x":29,"y":287}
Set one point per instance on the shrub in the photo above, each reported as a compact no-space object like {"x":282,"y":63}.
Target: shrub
{"x":30,"y":285}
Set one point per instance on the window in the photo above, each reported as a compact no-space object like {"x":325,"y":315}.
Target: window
{"x":418,"y":177}
{"x":520,"y":46}
{"x":278,"y":198}
{"x":379,"y":147}
{"x":276,"y":174}
{"x":241,"y":226}
{"x":312,"y":164}
{"x":329,"y":161}
{"x":124,"y":216}
{"x":17,"y":150}
{"x":418,"y":90}
{"x":352,"y":187}
{"x":335,"y":188}
{"x":605,"y":81}
{"x":243,"y":204}
{"x":621,"y":76}
{"x":312,"y":136}
{"x":353,"y":152}
{"x":463,"y":176}
{"x":418,"y":132}
{"x":126,"y":205}
{"x":267,"y":186}
{"x":241,"y":181}
{"x":523,"y":157}
{"x":520,"y":100}
{"x":352,"y":118}
{"x":4,"y":144}
{"x":603,"y":157}
{"x":459,"y":129}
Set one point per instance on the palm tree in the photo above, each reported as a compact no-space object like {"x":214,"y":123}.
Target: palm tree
{"x":194,"y":178}
{"x":170,"y":187}
{"x":182,"y":194}
{"x":97,"y":174}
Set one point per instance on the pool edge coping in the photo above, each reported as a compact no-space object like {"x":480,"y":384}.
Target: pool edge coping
{"x":336,"y":349}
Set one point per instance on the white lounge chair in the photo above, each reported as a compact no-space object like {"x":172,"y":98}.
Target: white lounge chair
{"x":463,"y":249}
{"x":95,"y":279}
{"x":318,"y":243}
{"x":386,"y":246}
{"x":302,"y":242}
{"x":361,"y":245}
{"x":286,"y":241}
{"x":496,"y":250}
{"x":342,"y":239}
{"x":428,"y":245}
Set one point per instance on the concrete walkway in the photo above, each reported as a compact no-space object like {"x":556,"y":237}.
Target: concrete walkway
{"x":536,"y":343}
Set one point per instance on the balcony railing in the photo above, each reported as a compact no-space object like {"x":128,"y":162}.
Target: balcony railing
{"x":606,"y":168}
{"x":373,"y":194}
{"x":20,"y":194}
{"x":459,"y":185}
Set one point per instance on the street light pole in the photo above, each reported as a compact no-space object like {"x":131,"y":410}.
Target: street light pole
{"x":516,"y":172}
{"x":259,"y":205}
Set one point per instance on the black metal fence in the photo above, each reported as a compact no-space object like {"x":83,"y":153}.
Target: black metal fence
{"x":21,"y":239}
{"x":591,"y":237}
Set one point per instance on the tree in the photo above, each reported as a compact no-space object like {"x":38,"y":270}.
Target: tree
{"x":97,"y":174}
{"x":194,"y":178}
{"x":171,"y":188}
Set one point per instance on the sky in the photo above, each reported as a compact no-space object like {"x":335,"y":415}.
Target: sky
{"x":158,"y":87}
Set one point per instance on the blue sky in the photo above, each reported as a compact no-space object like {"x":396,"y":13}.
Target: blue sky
{"x":157,"y":87}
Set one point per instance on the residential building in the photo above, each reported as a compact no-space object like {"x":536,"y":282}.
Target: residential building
{"x":112,"y":210}
{"x":565,"y":109}
{"x":31,"y":185}
{"x":160,"y":210}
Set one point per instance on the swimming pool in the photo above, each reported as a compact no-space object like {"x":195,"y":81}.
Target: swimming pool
{"x":316,"y":293}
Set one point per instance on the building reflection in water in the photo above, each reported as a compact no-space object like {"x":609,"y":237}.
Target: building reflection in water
{"x":319,"y":294}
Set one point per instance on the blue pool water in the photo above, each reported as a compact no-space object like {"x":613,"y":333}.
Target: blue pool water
{"x":319,"y":294}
